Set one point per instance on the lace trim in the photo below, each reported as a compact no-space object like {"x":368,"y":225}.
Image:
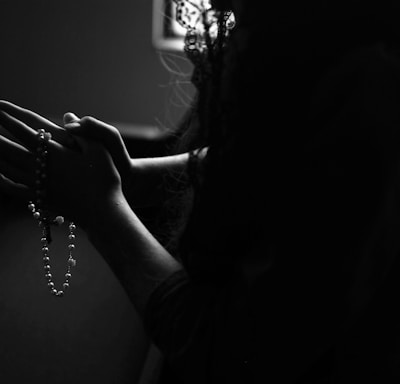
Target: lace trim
{"x":206,"y":32}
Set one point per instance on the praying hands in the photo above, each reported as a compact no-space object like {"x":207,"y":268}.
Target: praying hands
{"x":81,"y":176}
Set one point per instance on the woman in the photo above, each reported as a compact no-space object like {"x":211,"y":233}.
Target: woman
{"x":286,"y":268}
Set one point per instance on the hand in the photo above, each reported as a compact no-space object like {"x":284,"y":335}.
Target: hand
{"x":82,"y":179}
{"x":109,"y":136}
{"x":36,"y":122}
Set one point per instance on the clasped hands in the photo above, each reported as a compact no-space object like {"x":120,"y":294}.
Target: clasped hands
{"x":87,"y":160}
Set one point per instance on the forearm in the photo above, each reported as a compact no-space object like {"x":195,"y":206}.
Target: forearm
{"x":138,"y":260}
{"x":150,"y":177}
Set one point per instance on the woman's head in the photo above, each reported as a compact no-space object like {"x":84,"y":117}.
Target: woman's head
{"x":293,"y":11}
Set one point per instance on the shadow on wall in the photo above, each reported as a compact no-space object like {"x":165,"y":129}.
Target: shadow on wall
{"x":91,"y":335}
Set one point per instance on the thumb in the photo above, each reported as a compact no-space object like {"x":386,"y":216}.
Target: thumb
{"x":70,"y":118}
{"x":108,"y":136}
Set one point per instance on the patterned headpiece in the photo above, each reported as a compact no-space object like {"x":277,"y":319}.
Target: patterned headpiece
{"x":206,"y":32}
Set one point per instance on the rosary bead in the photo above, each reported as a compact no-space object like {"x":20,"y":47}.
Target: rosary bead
{"x":41,"y":215}
{"x":72,"y":262}
{"x":59,"y":220}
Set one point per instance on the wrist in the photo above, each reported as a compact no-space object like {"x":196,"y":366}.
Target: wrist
{"x":105,"y":214}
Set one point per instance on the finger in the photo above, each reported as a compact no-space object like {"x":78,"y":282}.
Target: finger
{"x":30,"y":118}
{"x":107,"y":135}
{"x":55,"y":150}
{"x":15,"y":190}
{"x":72,"y":123}
{"x":70,"y":118}
{"x":15,"y":154}
{"x":37,"y":122}
{"x":25,"y":135}
{"x":17,"y":175}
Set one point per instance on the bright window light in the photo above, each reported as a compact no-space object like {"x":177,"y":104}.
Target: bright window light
{"x":168,"y":34}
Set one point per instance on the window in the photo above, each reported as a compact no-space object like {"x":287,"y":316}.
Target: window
{"x":167,"y":33}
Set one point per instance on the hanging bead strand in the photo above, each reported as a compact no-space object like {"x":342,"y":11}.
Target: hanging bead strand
{"x":40,"y":214}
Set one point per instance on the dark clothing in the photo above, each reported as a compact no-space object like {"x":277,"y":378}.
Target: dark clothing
{"x":292,"y":275}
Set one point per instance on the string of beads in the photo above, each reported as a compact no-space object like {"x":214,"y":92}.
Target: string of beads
{"x":41,"y":214}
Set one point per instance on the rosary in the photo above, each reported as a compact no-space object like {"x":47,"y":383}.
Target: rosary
{"x":42,"y":216}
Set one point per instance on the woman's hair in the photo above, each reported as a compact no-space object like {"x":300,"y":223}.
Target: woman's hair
{"x":253,"y":112}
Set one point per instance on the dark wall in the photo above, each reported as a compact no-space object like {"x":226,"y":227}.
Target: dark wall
{"x":93,"y":57}
{"x":92,"y":335}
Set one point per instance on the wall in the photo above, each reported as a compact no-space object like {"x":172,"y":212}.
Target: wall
{"x":93,"y":58}
{"x":92,"y":335}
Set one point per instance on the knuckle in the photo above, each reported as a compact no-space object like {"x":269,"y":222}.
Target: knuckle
{"x":88,"y":120}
